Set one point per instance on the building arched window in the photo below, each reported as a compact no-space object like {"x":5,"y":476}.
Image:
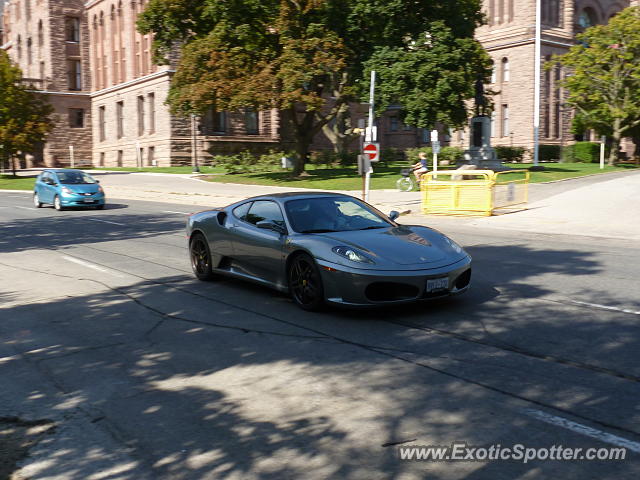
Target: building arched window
{"x":506,"y":74}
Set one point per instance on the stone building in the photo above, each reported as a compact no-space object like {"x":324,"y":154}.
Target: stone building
{"x":509,"y":38}
{"x":49,"y":41}
{"x":108,"y":95}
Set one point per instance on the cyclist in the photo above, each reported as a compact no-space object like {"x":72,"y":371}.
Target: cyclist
{"x":420,"y":167}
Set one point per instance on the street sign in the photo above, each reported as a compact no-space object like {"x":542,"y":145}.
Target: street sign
{"x":434,"y":135}
{"x":435,"y":147}
{"x":372,"y":151}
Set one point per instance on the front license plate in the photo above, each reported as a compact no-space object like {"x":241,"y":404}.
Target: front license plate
{"x":87,"y":200}
{"x":435,"y":284}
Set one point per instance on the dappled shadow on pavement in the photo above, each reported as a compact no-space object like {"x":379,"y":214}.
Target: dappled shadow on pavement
{"x":227,"y":380}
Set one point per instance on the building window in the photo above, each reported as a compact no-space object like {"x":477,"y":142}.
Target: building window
{"x":42,"y":75}
{"x":140,"y":115}
{"x":505,"y":70}
{"x":251,"y":122}
{"x":72,"y":29}
{"x":215,"y":122}
{"x":40,"y":34}
{"x":151,"y":100}
{"x":76,"y":117}
{"x":19,"y":47}
{"x":119,"y":118}
{"x":120,"y":157}
{"x":101,"y":123}
{"x":394,"y":123}
{"x":494,"y":72}
{"x":587,"y":18}
{"x":101,"y":164}
{"x":151,"y":157}
{"x":505,"y":120}
{"x":74,"y":74}
{"x":29,"y":51}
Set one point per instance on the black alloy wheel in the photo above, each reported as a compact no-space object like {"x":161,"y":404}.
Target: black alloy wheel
{"x":305,"y":283}
{"x":200,"y":257}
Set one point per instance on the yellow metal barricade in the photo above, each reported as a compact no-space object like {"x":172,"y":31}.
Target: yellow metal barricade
{"x":472,"y":192}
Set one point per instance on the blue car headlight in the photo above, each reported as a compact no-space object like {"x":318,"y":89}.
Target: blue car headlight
{"x":351,"y":254}
{"x":456,"y":248}
{"x":68,"y":191}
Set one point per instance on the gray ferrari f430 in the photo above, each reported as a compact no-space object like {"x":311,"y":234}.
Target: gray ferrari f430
{"x":326,"y":248}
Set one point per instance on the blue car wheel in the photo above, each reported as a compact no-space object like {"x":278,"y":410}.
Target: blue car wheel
{"x":36,"y":200}
{"x":56,"y":203}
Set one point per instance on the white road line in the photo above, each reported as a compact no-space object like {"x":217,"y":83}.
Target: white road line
{"x":583,"y":430}
{"x":107,"y":221}
{"x":25,"y":208}
{"x":181,"y":213}
{"x":91,"y":265}
{"x":605,"y":307}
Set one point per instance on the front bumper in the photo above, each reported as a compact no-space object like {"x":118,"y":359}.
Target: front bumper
{"x":82,"y":200}
{"x":358,"y":288}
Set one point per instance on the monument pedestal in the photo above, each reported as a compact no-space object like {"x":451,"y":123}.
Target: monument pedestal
{"x":480,"y":152}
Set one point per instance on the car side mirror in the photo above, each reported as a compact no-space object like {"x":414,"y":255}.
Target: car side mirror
{"x":393,"y":214}
{"x":97,"y":181}
{"x":269,"y":225}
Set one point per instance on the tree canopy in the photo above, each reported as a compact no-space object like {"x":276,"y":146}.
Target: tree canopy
{"x":24,"y":115}
{"x":604,"y":80}
{"x":308,"y":58}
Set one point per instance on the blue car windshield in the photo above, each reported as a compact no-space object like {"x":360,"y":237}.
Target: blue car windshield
{"x":332,"y":214}
{"x":74,"y":178}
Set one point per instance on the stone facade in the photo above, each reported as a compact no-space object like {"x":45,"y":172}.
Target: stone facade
{"x":121,"y":92}
{"x":49,"y":41}
{"x":509,"y":38}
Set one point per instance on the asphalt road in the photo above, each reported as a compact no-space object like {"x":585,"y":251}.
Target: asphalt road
{"x":146,"y":373}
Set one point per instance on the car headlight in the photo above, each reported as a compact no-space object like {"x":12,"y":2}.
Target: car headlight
{"x":68,"y":191}
{"x":100,"y":190}
{"x":351,"y":254}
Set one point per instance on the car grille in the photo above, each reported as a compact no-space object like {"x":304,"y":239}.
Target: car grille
{"x":390,"y":291}
{"x":463,"y":279}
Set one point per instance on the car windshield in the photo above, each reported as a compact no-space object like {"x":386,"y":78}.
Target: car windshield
{"x":332,"y":214}
{"x":74,"y":178}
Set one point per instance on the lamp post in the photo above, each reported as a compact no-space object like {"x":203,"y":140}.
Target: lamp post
{"x":536,"y":85}
{"x":194,"y":141}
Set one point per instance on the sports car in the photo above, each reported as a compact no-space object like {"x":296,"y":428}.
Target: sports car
{"x":326,"y":248}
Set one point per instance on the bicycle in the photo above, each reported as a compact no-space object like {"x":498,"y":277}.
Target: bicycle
{"x":407,"y":183}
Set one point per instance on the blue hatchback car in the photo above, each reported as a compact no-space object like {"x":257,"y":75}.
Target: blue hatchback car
{"x":66,"y":187}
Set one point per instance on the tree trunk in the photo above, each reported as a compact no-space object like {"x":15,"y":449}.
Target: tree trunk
{"x":13,"y":164}
{"x":340,"y":132}
{"x":614,"y":152}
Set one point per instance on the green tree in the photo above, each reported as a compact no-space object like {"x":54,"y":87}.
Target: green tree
{"x":431,"y":76}
{"x":604,"y":84}
{"x":24,"y":115}
{"x":292,"y":55}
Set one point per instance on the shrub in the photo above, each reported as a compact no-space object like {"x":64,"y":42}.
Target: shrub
{"x":510,"y":154}
{"x":392,"y":155}
{"x":246,"y":162}
{"x":549,"y":153}
{"x":586,"y":152}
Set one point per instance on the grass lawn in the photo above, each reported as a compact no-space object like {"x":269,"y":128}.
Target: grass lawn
{"x":385,"y":176}
{"x":9,"y":182}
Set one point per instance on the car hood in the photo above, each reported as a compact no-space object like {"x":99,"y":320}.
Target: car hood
{"x":81,"y":187}
{"x":402,"y":245}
